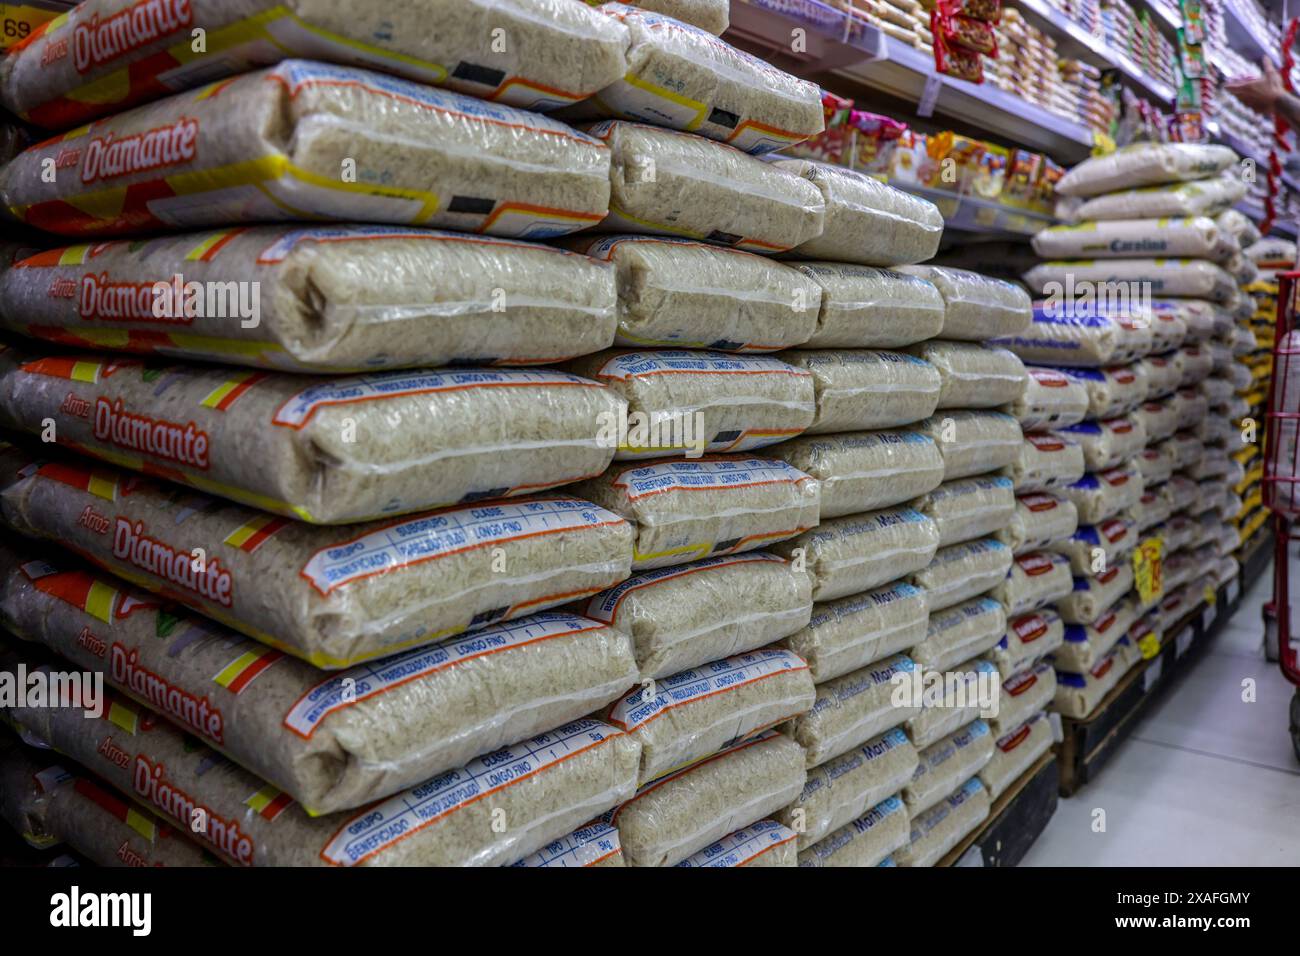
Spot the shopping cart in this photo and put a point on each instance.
(1281, 493)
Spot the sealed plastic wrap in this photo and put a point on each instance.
(976, 307)
(1094, 593)
(47, 804)
(969, 508)
(972, 375)
(863, 471)
(1093, 548)
(1205, 197)
(676, 184)
(860, 389)
(595, 844)
(1036, 579)
(1191, 278)
(868, 221)
(1111, 391)
(1200, 318)
(1168, 330)
(406, 718)
(128, 52)
(945, 764)
(1216, 391)
(1245, 232)
(1023, 695)
(1198, 237)
(853, 632)
(555, 782)
(1015, 753)
(866, 841)
(678, 293)
(1078, 694)
(1078, 337)
(685, 616)
(959, 703)
(683, 77)
(1105, 494)
(866, 307)
(1178, 532)
(963, 571)
(711, 15)
(332, 596)
(959, 633)
(686, 510)
(676, 816)
(855, 553)
(683, 401)
(765, 843)
(1153, 508)
(1196, 362)
(1145, 164)
(852, 709)
(1050, 400)
(942, 827)
(1109, 443)
(1185, 449)
(1046, 460)
(328, 298)
(686, 716)
(269, 145)
(1191, 408)
(973, 442)
(843, 789)
(1029, 638)
(1158, 419)
(1038, 521)
(326, 451)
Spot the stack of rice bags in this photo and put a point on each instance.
(1145, 365)
(360, 680)
(967, 500)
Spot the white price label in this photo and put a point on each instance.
(929, 95)
(1152, 673)
(1207, 616)
(1183, 641)
(1058, 732)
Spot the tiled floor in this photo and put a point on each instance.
(1204, 778)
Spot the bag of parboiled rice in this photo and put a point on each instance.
(327, 298)
(968, 508)
(1039, 520)
(326, 451)
(863, 307)
(686, 616)
(678, 293)
(686, 510)
(1046, 460)
(675, 184)
(855, 631)
(1029, 638)
(852, 709)
(972, 375)
(684, 78)
(333, 596)
(959, 633)
(1191, 238)
(863, 471)
(1115, 390)
(963, 571)
(279, 144)
(330, 741)
(1078, 336)
(1145, 164)
(977, 307)
(1035, 580)
(865, 841)
(1050, 399)
(1109, 443)
(1203, 197)
(683, 401)
(710, 15)
(855, 553)
(106, 55)
(973, 442)
(859, 389)
(867, 221)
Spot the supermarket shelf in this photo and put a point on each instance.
(1090, 742)
(875, 60)
(987, 217)
(1017, 818)
(1254, 211)
(1167, 15)
(1088, 46)
(1242, 39)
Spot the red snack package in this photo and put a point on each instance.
(955, 60)
(970, 33)
(989, 11)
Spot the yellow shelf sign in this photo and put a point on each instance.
(1148, 569)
